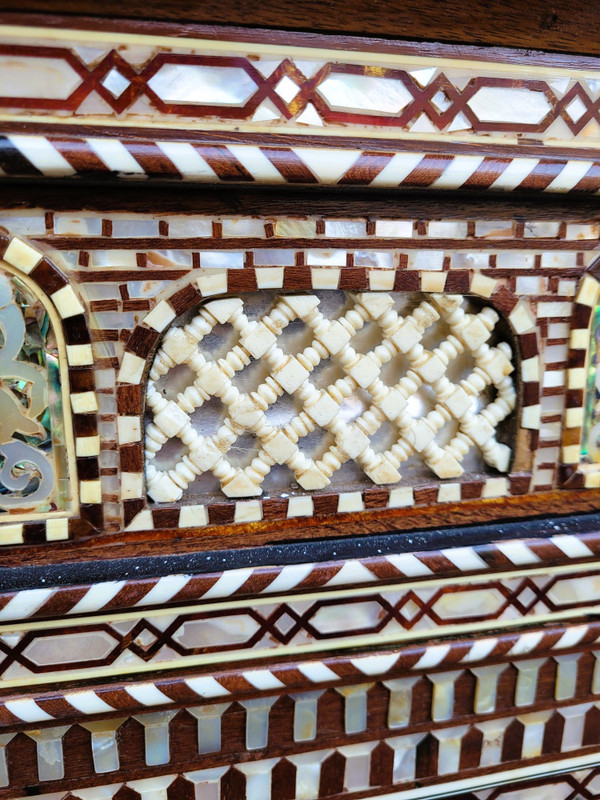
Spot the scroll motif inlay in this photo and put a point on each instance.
(33, 470)
(590, 450)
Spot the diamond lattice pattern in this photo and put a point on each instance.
(472, 405)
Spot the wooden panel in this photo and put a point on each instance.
(565, 26)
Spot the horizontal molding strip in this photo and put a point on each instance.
(401, 567)
(313, 109)
(180, 689)
(417, 757)
(505, 778)
(182, 637)
(149, 790)
(44, 155)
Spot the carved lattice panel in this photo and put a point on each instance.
(307, 391)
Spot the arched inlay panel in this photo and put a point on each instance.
(34, 471)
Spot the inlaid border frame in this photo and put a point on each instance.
(142, 344)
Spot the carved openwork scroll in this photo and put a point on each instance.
(33, 472)
(335, 388)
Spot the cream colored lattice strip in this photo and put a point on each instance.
(319, 407)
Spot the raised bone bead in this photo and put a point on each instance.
(478, 429)
(224, 309)
(290, 374)
(213, 380)
(351, 441)
(171, 419)
(448, 304)
(475, 333)
(496, 365)
(258, 340)
(312, 478)
(419, 435)
(302, 305)
(247, 411)
(382, 471)
(279, 447)
(334, 337)
(206, 455)
(431, 369)
(497, 455)
(321, 407)
(364, 370)
(155, 439)
(179, 345)
(442, 462)
(161, 487)
(407, 336)
(458, 402)
(375, 303)
(241, 486)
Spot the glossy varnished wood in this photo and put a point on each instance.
(568, 26)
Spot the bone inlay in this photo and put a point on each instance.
(464, 406)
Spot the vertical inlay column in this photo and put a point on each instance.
(405, 756)
(527, 680)
(596, 675)
(50, 761)
(533, 734)
(486, 688)
(4, 740)
(207, 782)
(152, 788)
(443, 694)
(566, 678)
(104, 743)
(355, 707)
(574, 718)
(209, 726)
(156, 735)
(257, 721)
(305, 715)
(493, 739)
(308, 773)
(358, 765)
(400, 702)
(258, 778)
(449, 751)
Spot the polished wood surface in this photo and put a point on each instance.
(569, 26)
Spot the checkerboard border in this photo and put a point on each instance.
(143, 342)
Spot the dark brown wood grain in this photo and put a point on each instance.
(569, 26)
(222, 534)
(333, 203)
